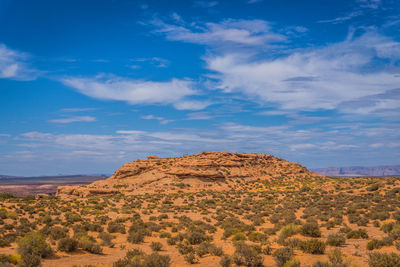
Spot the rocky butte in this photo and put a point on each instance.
(207, 170)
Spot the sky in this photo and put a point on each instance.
(88, 85)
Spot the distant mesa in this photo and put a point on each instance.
(207, 170)
(360, 171)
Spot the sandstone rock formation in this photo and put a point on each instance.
(199, 172)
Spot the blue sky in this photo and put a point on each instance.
(89, 85)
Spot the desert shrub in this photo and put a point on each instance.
(208, 248)
(239, 237)
(282, 255)
(336, 258)
(106, 238)
(357, 234)
(136, 237)
(313, 246)
(67, 244)
(215, 250)
(397, 245)
(89, 245)
(288, 230)
(226, 261)
(185, 248)
(387, 227)
(293, 262)
(311, 229)
(138, 258)
(377, 259)
(374, 244)
(4, 243)
(292, 242)
(57, 232)
(336, 240)
(196, 238)
(156, 246)
(165, 235)
(322, 264)
(373, 187)
(258, 237)
(32, 248)
(247, 255)
(190, 258)
(7, 260)
(156, 260)
(171, 241)
(115, 227)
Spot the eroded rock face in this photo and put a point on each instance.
(155, 174)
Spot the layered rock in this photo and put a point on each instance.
(219, 168)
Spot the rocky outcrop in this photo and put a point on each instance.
(158, 174)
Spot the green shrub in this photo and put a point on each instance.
(357, 234)
(336, 240)
(67, 244)
(374, 244)
(313, 246)
(282, 255)
(226, 261)
(311, 229)
(196, 238)
(293, 262)
(190, 258)
(106, 238)
(136, 237)
(32, 248)
(288, 230)
(89, 245)
(115, 227)
(377, 259)
(336, 258)
(247, 255)
(156, 260)
(156, 246)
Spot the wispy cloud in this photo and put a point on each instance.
(320, 78)
(155, 61)
(160, 119)
(205, 4)
(13, 65)
(229, 31)
(374, 4)
(342, 19)
(174, 92)
(77, 109)
(74, 119)
(253, 1)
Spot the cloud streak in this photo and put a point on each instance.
(74, 119)
(13, 65)
(173, 92)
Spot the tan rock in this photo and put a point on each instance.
(159, 174)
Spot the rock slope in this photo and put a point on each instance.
(207, 170)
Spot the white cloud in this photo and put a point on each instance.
(155, 61)
(199, 116)
(342, 19)
(74, 119)
(13, 65)
(192, 105)
(134, 92)
(312, 79)
(160, 119)
(205, 4)
(374, 4)
(229, 31)
(77, 109)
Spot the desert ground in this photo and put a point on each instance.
(210, 209)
